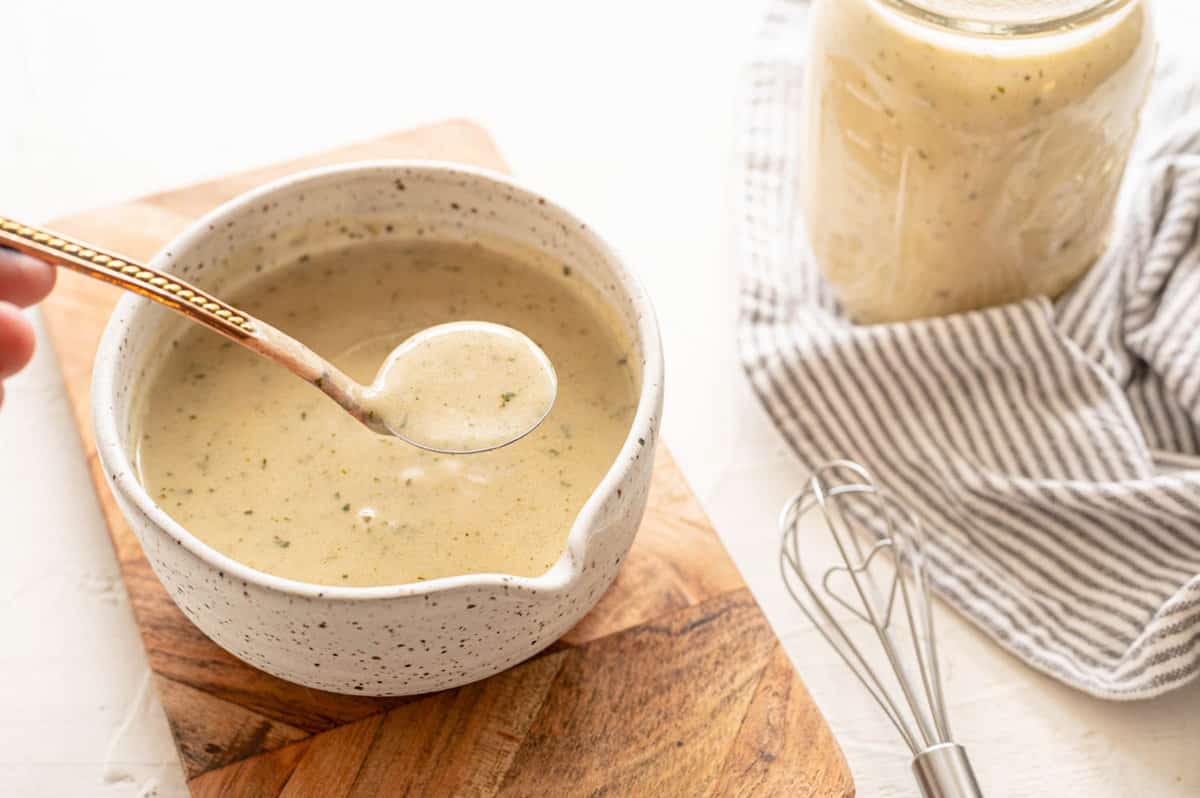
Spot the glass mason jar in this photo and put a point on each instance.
(967, 153)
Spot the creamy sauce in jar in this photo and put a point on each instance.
(948, 170)
(265, 469)
(463, 387)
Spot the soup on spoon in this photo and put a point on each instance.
(463, 387)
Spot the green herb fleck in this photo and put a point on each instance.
(247, 512)
(281, 543)
(506, 397)
(346, 508)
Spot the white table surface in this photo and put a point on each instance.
(623, 109)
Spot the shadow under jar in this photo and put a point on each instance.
(967, 153)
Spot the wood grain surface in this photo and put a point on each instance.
(673, 685)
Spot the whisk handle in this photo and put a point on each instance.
(944, 771)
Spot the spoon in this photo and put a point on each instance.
(457, 388)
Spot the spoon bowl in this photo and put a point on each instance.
(462, 388)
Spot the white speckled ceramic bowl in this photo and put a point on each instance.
(400, 639)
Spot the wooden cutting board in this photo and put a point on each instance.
(673, 685)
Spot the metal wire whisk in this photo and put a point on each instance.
(878, 574)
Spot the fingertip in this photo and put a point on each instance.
(24, 280)
(16, 340)
(41, 276)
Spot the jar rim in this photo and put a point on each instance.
(1054, 23)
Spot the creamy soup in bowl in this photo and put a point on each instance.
(344, 560)
(263, 468)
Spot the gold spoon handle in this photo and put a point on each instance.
(195, 303)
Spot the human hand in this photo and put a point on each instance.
(23, 282)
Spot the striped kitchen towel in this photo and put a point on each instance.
(1052, 449)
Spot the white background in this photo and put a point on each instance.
(625, 111)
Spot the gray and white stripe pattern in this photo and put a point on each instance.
(1052, 449)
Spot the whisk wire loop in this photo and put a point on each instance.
(844, 492)
(828, 627)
